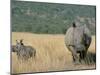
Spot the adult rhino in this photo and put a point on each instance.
(23, 52)
(77, 40)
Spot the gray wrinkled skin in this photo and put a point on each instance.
(23, 52)
(77, 40)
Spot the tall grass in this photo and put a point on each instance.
(51, 54)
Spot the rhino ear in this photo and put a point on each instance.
(21, 40)
(16, 41)
(74, 25)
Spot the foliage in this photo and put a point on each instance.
(37, 17)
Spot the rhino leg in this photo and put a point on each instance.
(82, 57)
(74, 54)
(82, 54)
(34, 53)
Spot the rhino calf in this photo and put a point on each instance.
(23, 52)
(77, 40)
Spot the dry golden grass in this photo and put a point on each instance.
(51, 54)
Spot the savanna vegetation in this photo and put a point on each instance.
(50, 18)
(51, 54)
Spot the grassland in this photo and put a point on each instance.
(51, 54)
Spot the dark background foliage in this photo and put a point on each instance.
(37, 17)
